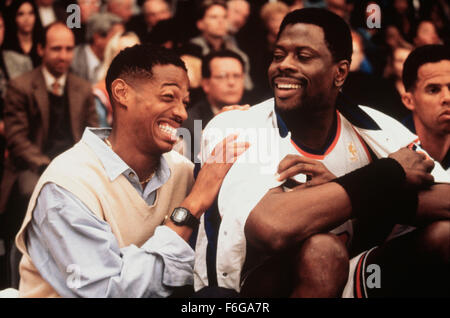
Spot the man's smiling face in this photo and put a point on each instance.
(302, 70)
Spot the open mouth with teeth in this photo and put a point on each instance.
(168, 131)
(288, 86)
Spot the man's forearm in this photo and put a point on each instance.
(433, 204)
(282, 219)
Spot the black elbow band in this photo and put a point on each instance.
(379, 188)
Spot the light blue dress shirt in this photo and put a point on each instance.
(77, 253)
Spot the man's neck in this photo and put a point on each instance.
(436, 146)
(142, 163)
(215, 108)
(215, 42)
(311, 128)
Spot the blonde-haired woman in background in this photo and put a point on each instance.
(116, 44)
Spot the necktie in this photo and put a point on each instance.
(56, 88)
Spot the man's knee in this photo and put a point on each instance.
(324, 247)
(436, 240)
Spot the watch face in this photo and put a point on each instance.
(179, 215)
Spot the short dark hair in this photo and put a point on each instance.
(206, 61)
(138, 62)
(422, 55)
(336, 31)
(206, 4)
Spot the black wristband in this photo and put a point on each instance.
(378, 188)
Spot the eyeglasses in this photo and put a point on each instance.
(223, 77)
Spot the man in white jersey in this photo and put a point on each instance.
(271, 234)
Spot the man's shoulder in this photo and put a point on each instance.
(79, 81)
(25, 81)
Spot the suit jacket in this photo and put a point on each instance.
(200, 111)
(27, 116)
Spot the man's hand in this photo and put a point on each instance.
(234, 107)
(417, 167)
(210, 177)
(291, 165)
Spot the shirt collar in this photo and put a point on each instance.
(50, 79)
(92, 59)
(113, 164)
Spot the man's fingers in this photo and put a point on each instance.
(305, 168)
(291, 160)
(429, 165)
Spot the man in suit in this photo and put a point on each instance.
(46, 111)
(223, 85)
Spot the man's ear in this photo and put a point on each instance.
(205, 85)
(343, 67)
(120, 92)
(408, 100)
(200, 25)
(40, 50)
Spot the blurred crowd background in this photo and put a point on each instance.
(382, 41)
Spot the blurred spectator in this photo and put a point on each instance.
(296, 4)
(212, 24)
(23, 30)
(87, 9)
(50, 11)
(116, 44)
(223, 85)
(392, 37)
(272, 13)
(339, 7)
(359, 60)
(46, 111)
(88, 57)
(401, 14)
(394, 68)
(238, 12)
(153, 11)
(364, 88)
(121, 8)
(425, 34)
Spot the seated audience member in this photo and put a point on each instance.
(426, 34)
(223, 85)
(153, 11)
(317, 168)
(87, 9)
(238, 13)
(212, 24)
(102, 103)
(372, 90)
(271, 14)
(393, 76)
(12, 64)
(426, 76)
(87, 60)
(23, 30)
(46, 111)
(50, 11)
(120, 205)
(121, 8)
